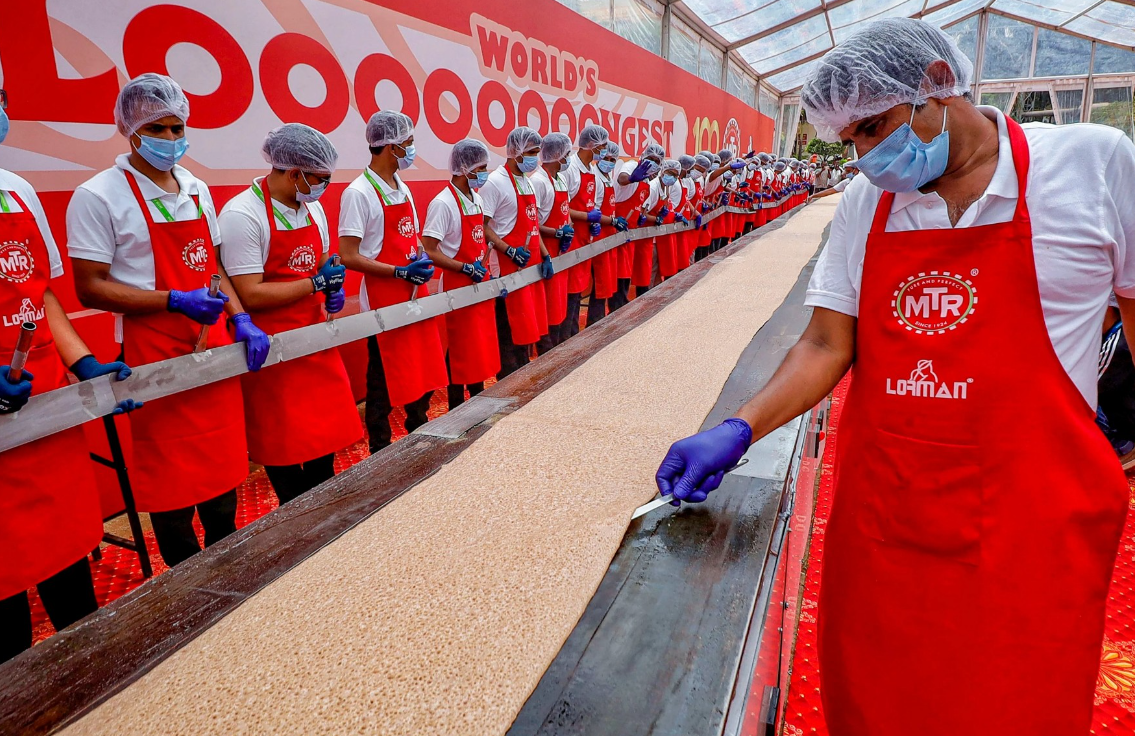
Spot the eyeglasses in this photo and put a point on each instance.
(322, 179)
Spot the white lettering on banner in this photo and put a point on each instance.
(28, 313)
(934, 303)
(924, 383)
(16, 262)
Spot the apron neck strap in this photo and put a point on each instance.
(377, 189)
(264, 195)
(460, 199)
(133, 182)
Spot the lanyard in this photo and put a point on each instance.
(283, 221)
(560, 185)
(461, 203)
(165, 213)
(377, 188)
(4, 202)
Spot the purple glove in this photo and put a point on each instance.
(694, 467)
(594, 216)
(642, 219)
(697, 222)
(256, 343)
(682, 219)
(664, 211)
(737, 164)
(197, 305)
(595, 228)
(642, 170)
(335, 301)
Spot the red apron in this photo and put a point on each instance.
(704, 236)
(527, 310)
(473, 351)
(556, 289)
(412, 358)
(579, 275)
(762, 194)
(686, 240)
(188, 447)
(49, 509)
(630, 209)
(719, 224)
(605, 265)
(301, 409)
(667, 245)
(962, 592)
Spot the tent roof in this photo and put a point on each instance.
(782, 39)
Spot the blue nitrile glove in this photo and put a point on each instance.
(663, 211)
(743, 185)
(13, 396)
(682, 219)
(565, 234)
(256, 343)
(475, 271)
(704, 207)
(620, 224)
(335, 301)
(547, 270)
(594, 216)
(330, 277)
(88, 367)
(126, 406)
(694, 467)
(595, 228)
(697, 222)
(519, 256)
(417, 272)
(642, 170)
(641, 219)
(197, 305)
(737, 164)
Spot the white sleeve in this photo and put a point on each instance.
(1120, 178)
(319, 217)
(545, 196)
(571, 177)
(831, 286)
(242, 244)
(439, 218)
(490, 197)
(31, 199)
(354, 213)
(90, 230)
(841, 185)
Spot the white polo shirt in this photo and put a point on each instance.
(623, 192)
(1083, 232)
(361, 215)
(546, 190)
(690, 187)
(444, 218)
(106, 225)
(500, 199)
(572, 175)
(10, 183)
(672, 194)
(245, 233)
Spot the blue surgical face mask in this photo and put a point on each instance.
(3, 124)
(528, 164)
(606, 166)
(408, 160)
(668, 180)
(477, 179)
(315, 191)
(162, 153)
(903, 162)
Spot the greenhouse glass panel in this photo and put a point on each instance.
(788, 46)
(1069, 105)
(965, 35)
(749, 92)
(952, 13)
(1052, 12)
(1000, 100)
(789, 122)
(639, 21)
(767, 103)
(1008, 49)
(714, 12)
(850, 18)
(793, 78)
(734, 81)
(709, 63)
(760, 16)
(1110, 22)
(1061, 55)
(684, 45)
(1110, 60)
(1112, 106)
(597, 11)
(1033, 106)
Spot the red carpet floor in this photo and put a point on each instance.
(1115, 689)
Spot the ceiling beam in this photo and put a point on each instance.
(800, 18)
(794, 64)
(1049, 26)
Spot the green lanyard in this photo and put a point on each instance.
(377, 188)
(165, 213)
(4, 202)
(558, 182)
(518, 180)
(461, 203)
(283, 221)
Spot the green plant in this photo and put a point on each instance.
(824, 149)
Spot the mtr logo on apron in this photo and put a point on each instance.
(406, 227)
(196, 254)
(478, 234)
(934, 303)
(302, 260)
(16, 262)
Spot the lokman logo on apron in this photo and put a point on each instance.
(934, 303)
(924, 383)
(27, 313)
(196, 254)
(406, 227)
(302, 259)
(478, 233)
(16, 262)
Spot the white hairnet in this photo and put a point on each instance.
(554, 147)
(653, 150)
(851, 165)
(725, 155)
(687, 162)
(146, 98)
(467, 155)
(671, 164)
(520, 140)
(703, 161)
(592, 136)
(779, 166)
(764, 157)
(612, 149)
(879, 67)
(388, 126)
(299, 146)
